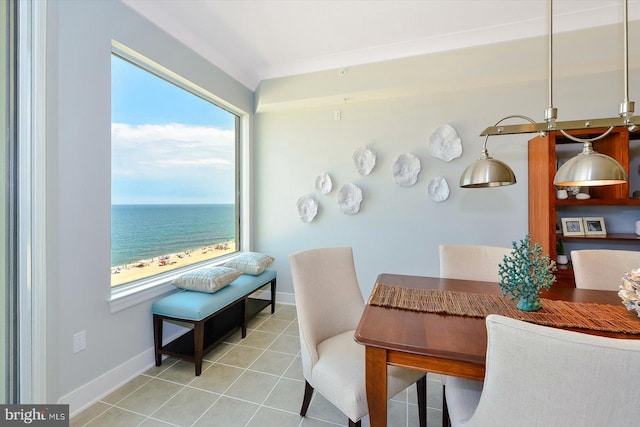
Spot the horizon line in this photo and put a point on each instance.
(167, 204)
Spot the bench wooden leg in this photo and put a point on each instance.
(273, 296)
(198, 345)
(157, 338)
(244, 315)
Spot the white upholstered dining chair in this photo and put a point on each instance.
(471, 262)
(542, 376)
(467, 262)
(329, 304)
(602, 268)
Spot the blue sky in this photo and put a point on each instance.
(168, 146)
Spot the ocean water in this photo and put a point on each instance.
(147, 231)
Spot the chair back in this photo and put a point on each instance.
(471, 262)
(328, 297)
(542, 376)
(602, 268)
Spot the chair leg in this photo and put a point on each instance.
(308, 392)
(446, 421)
(421, 386)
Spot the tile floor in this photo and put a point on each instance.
(253, 382)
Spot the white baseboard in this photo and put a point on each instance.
(281, 297)
(285, 298)
(90, 393)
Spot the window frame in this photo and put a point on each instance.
(138, 291)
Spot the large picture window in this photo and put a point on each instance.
(174, 174)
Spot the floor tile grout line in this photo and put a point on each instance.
(262, 405)
(115, 405)
(232, 383)
(293, 379)
(167, 401)
(277, 382)
(232, 345)
(246, 369)
(184, 386)
(206, 410)
(224, 393)
(267, 348)
(321, 420)
(299, 353)
(285, 324)
(159, 420)
(314, 396)
(100, 414)
(121, 409)
(151, 378)
(133, 412)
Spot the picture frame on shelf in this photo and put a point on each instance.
(594, 226)
(572, 227)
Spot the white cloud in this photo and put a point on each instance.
(191, 162)
(168, 132)
(161, 150)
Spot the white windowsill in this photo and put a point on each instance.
(134, 293)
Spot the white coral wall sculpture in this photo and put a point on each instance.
(349, 199)
(438, 189)
(445, 144)
(307, 208)
(364, 160)
(406, 169)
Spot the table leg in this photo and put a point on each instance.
(376, 378)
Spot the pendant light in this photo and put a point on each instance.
(588, 168)
(487, 171)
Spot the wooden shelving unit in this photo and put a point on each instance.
(542, 193)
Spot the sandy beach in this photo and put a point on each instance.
(150, 267)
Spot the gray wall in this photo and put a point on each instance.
(78, 180)
(393, 108)
(398, 229)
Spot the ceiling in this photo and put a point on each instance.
(254, 40)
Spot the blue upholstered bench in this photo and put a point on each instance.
(214, 316)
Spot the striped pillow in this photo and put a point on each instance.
(253, 263)
(208, 279)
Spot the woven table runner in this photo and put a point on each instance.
(562, 314)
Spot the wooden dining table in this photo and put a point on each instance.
(439, 343)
